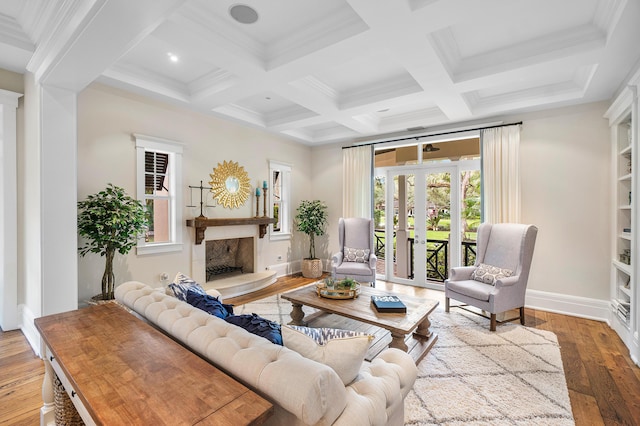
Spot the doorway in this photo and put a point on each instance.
(426, 216)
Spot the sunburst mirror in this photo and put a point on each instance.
(230, 184)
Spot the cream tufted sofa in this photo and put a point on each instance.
(303, 392)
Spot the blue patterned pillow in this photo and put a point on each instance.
(259, 326)
(323, 335)
(181, 285)
(208, 304)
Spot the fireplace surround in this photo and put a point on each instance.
(232, 249)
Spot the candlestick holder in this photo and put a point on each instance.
(264, 211)
(257, 205)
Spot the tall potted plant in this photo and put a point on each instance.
(311, 218)
(110, 221)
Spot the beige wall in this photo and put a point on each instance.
(565, 165)
(106, 154)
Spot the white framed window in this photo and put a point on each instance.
(159, 188)
(280, 200)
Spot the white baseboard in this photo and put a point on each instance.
(295, 267)
(29, 329)
(583, 307)
(281, 269)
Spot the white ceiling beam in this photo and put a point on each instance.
(85, 42)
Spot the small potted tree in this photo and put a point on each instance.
(311, 218)
(110, 221)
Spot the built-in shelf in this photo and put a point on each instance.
(625, 239)
(202, 223)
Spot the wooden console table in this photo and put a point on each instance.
(119, 370)
(202, 223)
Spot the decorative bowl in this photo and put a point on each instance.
(336, 292)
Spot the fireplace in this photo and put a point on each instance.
(228, 257)
(230, 254)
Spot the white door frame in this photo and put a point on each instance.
(420, 244)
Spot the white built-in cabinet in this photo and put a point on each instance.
(623, 120)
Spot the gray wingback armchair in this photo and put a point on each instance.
(356, 258)
(498, 280)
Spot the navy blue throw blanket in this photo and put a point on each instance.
(209, 304)
(257, 325)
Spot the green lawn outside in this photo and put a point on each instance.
(432, 235)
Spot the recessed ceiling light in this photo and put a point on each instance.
(173, 57)
(243, 13)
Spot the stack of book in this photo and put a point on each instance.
(622, 308)
(388, 304)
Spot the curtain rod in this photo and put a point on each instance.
(434, 134)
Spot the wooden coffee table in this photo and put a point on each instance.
(411, 327)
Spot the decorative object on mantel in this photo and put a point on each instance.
(265, 188)
(110, 221)
(257, 202)
(311, 218)
(202, 204)
(201, 224)
(230, 184)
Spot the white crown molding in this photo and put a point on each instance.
(12, 33)
(322, 33)
(388, 89)
(370, 120)
(146, 80)
(302, 135)
(312, 84)
(215, 30)
(59, 27)
(286, 115)
(446, 49)
(620, 106)
(241, 113)
(408, 119)
(212, 83)
(548, 48)
(558, 91)
(332, 133)
(526, 98)
(608, 13)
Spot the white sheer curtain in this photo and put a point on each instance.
(501, 174)
(356, 178)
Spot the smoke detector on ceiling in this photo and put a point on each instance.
(243, 13)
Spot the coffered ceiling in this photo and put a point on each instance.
(322, 71)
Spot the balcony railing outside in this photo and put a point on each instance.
(437, 255)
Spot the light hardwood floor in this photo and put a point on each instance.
(603, 381)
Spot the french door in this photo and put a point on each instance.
(423, 222)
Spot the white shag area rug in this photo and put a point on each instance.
(513, 376)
